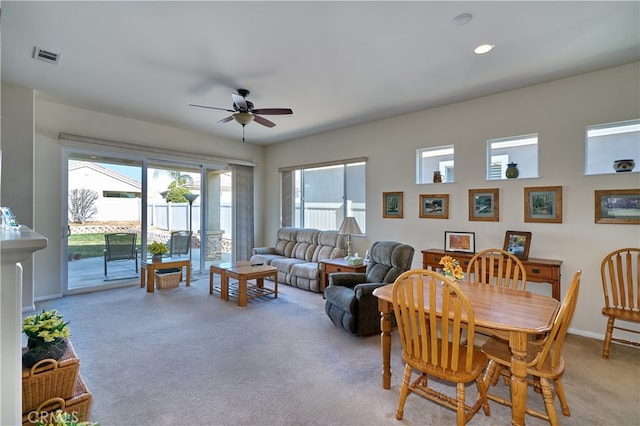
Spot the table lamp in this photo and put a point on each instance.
(349, 227)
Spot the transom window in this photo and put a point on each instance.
(436, 159)
(606, 143)
(522, 150)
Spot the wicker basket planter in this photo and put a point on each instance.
(49, 378)
(78, 404)
(167, 278)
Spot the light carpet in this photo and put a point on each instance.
(184, 357)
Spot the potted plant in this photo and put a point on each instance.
(47, 335)
(157, 250)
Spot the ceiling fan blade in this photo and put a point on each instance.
(225, 120)
(263, 121)
(210, 107)
(272, 111)
(239, 101)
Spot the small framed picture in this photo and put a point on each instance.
(543, 204)
(484, 205)
(460, 241)
(434, 206)
(518, 243)
(618, 206)
(392, 205)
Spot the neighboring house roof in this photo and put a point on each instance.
(77, 165)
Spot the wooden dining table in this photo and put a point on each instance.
(520, 313)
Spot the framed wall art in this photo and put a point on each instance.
(434, 206)
(460, 241)
(517, 243)
(617, 206)
(543, 204)
(392, 205)
(484, 205)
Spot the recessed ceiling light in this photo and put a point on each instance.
(463, 19)
(483, 48)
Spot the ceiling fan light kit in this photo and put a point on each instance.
(244, 113)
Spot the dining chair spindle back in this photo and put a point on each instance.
(437, 343)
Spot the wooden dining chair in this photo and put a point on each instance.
(544, 360)
(451, 357)
(497, 267)
(621, 286)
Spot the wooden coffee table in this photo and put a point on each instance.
(220, 268)
(242, 290)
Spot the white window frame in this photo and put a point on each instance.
(601, 161)
(528, 165)
(445, 164)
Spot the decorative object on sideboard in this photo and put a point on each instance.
(349, 227)
(437, 177)
(512, 171)
(624, 165)
(460, 241)
(517, 243)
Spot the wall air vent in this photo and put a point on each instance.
(45, 55)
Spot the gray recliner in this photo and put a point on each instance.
(350, 301)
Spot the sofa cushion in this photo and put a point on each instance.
(330, 245)
(306, 270)
(284, 264)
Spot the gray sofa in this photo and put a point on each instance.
(297, 252)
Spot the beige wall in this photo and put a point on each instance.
(51, 119)
(558, 111)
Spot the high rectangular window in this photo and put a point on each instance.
(431, 160)
(521, 150)
(606, 143)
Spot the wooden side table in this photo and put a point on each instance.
(538, 270)
(220, 268)
(147, 268)
(339, 264)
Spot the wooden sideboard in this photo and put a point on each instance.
(538, 270)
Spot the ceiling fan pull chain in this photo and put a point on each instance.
(243, 133)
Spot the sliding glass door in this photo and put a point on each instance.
(104, 196)
(142, 201)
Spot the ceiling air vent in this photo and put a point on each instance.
(45, 55)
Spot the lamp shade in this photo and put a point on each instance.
(350, 226)
(191, 197)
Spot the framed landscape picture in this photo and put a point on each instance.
(617, 206)
(484, 204)
(434, 206)
(518, 243)
(543, 204)
(392, 205)
(460, 241)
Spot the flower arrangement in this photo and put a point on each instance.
(157, 248)
(451, 267)
(45, 329)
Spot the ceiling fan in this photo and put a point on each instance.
(244, 113)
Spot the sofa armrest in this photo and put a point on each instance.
(263, 250)
(347, 279)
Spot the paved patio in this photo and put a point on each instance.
(89, 272)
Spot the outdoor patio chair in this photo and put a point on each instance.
(180, 243)
(120, 247)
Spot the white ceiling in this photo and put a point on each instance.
(335, 64)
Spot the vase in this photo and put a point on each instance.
(512, 171)
(156, 258)
(37, 351)
(437, 177)
(624, 165)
